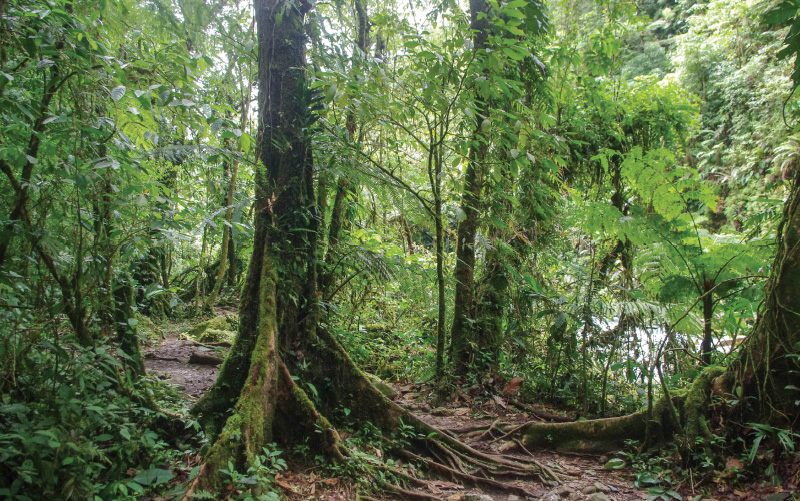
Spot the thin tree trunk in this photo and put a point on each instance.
(464, 310)
(441, 312)
(200, 282)
(346, 185)
(708, 317)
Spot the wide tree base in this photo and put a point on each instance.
(428, 453)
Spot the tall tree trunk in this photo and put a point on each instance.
(492, 291)
(277, 310)
(770, 358)
(346, 186)
(464, 310)
(226, 230)
(441, 318)
(708, 317)
(232, 268)
(271, 316)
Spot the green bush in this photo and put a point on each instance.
(70, 430)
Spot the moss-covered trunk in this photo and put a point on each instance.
(463, 309)
(492, 291)
(276, 309)
(769, 361)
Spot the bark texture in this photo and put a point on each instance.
(276, 308)
(770, 359)
(464, 314)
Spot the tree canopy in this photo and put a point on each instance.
(584, 205)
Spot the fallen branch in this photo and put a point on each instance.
(553, 418)
(203, 359)
(153, 356)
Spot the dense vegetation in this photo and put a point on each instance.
(593, 195)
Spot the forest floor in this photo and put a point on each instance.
(471, 419)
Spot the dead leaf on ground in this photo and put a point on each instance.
(331, 481)
(512, 386)
(499, 401)
(284, 484)
(461, 411)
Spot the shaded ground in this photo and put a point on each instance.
(169, 361)
(471, 419)
(583, 477)
(472, 422)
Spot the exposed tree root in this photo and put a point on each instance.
(467, 478)
(409, 494)
(296, 417)
(683, 415)
(599, 435)
(485, 434)
(553, 418)
(512, 431)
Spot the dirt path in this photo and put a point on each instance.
(169, 361)
(582, 476)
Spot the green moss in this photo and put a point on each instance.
(216, 336)
(696, 430)
(599, 435)
(212, 331)
(250, 427)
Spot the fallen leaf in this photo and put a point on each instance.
(461, 411)
(283, 483)
(734, 464)
(331, 481)
(512, 386)
(499, 401)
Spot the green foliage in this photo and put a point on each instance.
(634, 159)
(67, 431)
(258, 482)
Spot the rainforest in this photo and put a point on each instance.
(483, 250)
